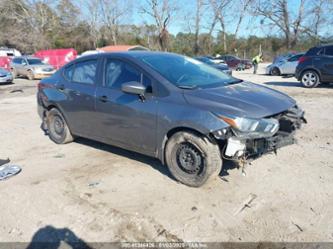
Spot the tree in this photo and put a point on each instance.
(93, 18)
(219, 7)
(278, 13)
(112, 12)
(161, 11)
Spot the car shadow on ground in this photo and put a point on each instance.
(283, 83)
(228, 165)
(49, 237)
(6, 83)
(153, 162)
(295, 84)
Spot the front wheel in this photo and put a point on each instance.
(192, 159)
(275, 71)
(310, 79)
(57, 127)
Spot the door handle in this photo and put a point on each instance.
(103, 98)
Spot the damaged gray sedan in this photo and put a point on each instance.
(177, 109)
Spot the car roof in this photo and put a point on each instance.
(324, 45)
(126, 54)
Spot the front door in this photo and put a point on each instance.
(124, 119)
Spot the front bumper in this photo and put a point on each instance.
(241, 148)
(6, 79)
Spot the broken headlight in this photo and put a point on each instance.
(252, 128)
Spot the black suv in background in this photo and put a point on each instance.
(316, 66)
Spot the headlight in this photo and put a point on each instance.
(247, 127)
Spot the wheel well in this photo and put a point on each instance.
(311, 69)
(171, 132)
(177, 129)
(52, 106)
(276, 69)
(49, 107)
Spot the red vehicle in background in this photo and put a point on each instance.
(57, 57)
(5, 62)
(235, 62)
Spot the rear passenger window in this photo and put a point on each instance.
(118, 72)
(85, 72)
(329, 51)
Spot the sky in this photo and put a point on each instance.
(250, 25)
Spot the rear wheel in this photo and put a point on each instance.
(310, 79)
(192, 159)
(57, 127)
(275, 71)
(31, 75)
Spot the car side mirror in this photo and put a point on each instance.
(133, 87)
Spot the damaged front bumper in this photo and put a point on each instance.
(241, 148)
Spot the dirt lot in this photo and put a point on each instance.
(102, 193)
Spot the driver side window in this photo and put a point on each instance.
(118, 72)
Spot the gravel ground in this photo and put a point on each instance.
(100, 193)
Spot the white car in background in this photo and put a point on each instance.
(284, 66)
(5, 76)
(10, 52)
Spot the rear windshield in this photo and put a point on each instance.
(186, 72)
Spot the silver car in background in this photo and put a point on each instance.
(284, 66)
(31, 67)
(5, 76)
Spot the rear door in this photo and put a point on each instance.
(328, 63)
(125, 119)
(79, 89)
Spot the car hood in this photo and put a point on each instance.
(240, 100)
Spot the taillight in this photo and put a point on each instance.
(302, 59)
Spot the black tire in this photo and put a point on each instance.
(57, 127)
(192, 159)
(31, 75)
(310, 79)
(275, 71)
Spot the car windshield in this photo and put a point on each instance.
(185, 72)
(35, 61)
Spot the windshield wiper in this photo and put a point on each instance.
(187, 86)
(235, 82)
